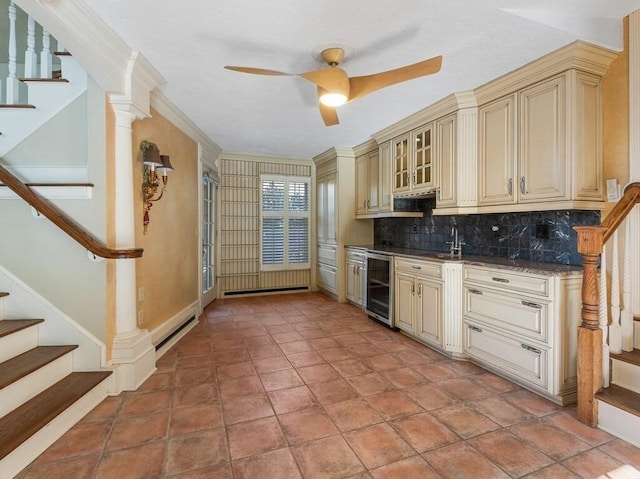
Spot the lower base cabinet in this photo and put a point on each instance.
(356, 263)
(328, 278)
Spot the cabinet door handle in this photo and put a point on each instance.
(500, 280)
(531, 348)
(438, 194)
(477, 329)
(415, 266)
(522, 185)
(510, 186)
(413, 289)
(531, 305)
(368, 203)
(419, 290)
(475, 291)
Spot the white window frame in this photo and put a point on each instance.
(286, 215)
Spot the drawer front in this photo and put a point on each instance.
(512, 356)
(522, 316)
(327, 255)
(509, 280)
(422, 268)
(355, 255)
(328, 277)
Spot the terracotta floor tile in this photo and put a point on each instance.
(530, 402)
(286, 337)
(307, 358)
(333, 391)
(240, 387)
(368, 384)
(141, 404)
(412, 357)
(464, 389)
(202, 360)
(336, 354)
(553, 472)
(623, 451)
(424, 432)
(293, 399)
(265, 351)
(494, 383)
(429, 396)
(393, 404)
(80, 467)
(436, 371)
(221, 471)
(198, 394)
(191, 376)
(255, 437)
(464, 421)
(156, 382)
(554, 442)
(246, 409)
(283, 327)
(352, 367)
(236, 370)
(310, 333)
(295, 347)
(105, 411)
(464, 368)
(352, 414)
(227, 344)
(323, 343)
(137, 430)
(139, 462)
(566, 420)
(351, 339)
(318, 373)
(404, 377)
(284, 379)
(500, 411)
(196, 451)
(306, 425)
(365, 350)
(80, 440)
(277, 464)
(195, 418)
(378, 445)
(461, 461)
(510, 453)
(267, 365)
(253, 342)
(329, 458)
(228, 356)
(593, 463)
(411, 468)
(383, 362)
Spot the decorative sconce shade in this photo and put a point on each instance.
(152, 160)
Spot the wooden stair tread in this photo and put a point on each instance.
(632, 357)
(3, 294)
(19, 105)
(9, 326)
(46, 80)
(23, 422)
(19, 366)
(621, 398)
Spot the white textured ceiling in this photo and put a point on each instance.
(190, 42)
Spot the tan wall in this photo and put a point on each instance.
(168, 270)
(615, 93)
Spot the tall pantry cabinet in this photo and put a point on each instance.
(336, 225)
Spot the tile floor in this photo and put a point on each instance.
(292, 386)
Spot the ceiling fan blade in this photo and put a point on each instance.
(258, 71)
(363, 85)
(329, 113)
(333, 79)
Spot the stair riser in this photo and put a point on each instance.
(28, 387)
(22, 456)
(619, 423)
(18, 343)
(625, 375)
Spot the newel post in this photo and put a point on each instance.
(590, 245)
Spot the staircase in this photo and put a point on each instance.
(41, 397)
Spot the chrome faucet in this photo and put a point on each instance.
(456, 244)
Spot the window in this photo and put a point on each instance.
(285, 206)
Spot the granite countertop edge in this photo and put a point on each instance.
(477, 260)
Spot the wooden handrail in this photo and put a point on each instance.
(591, 241)
(62, 221)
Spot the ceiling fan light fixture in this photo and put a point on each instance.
(333, 99)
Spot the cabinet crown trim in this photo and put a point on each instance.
(332, 154)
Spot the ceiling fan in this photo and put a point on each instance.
(335, 87)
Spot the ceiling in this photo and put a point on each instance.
(190, 42)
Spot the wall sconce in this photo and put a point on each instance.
(152, 160)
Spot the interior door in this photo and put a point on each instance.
(209, 189)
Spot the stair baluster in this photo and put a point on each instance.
(13, 84)
(626, 318)
(46, 60)
(615, 331)
(30, 56)
(603, 310)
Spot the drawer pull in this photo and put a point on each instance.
(531, 348)
(531, 305)
(414, 266)
(500, 280)
(475, 291)
(477, 329)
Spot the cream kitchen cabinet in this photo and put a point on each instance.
(412, 160)
(356, 265)
(336, 225)
(523, 326)
(542, 145)
(368, 183)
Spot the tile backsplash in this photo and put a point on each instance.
(545, 236)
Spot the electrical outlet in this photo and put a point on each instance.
(140, 318)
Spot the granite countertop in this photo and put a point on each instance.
(490, 261)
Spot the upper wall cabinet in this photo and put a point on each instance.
(412, 162)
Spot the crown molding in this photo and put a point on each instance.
(264, 158)
(334, 153)
(366, 147)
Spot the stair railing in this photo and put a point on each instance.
(62, 221)
(596, 337)
(14, 89)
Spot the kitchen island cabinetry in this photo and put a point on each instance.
(523, 325)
